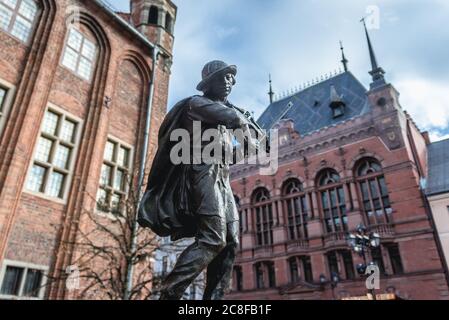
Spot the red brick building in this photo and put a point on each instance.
(347, 156)
(77, 83)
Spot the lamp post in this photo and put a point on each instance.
(361, 242)
(335, 279)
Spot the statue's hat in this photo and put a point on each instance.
(211, 69)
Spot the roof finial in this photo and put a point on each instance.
(377, 73)
(270, 93)
(343, 58)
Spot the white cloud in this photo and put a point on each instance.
(426, 100)
(297, 41)
(225, 32)
(437, 136)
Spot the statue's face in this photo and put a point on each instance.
(220, 86)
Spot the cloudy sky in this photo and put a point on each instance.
(298, 40)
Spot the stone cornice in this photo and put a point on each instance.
(328, 138)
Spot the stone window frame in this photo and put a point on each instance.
(397, 266)
(265, 269)
(26, 266)
(262, 207)
(296, 208)
(340, 264)
(115, 167)
(329, 184)
(373, 175)
(300, 268)
(15, 13)
(6, 103)
(94, 61)
(49, 166)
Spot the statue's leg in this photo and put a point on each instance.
(219, 271)
(210, 241)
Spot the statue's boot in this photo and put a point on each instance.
(219, 271)
(189, 265)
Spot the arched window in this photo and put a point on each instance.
(297, 209)
(300, 269)
(332, 201)
(261, 195)
(328, 176)
(265, 274)
(264, 216)
(374, 192)
(80, 52)
(341, 263)
(17, 17)
(153, 17)
(168, 22)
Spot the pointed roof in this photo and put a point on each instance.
(309, 108)
(377, 73)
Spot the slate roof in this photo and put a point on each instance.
(310, 108)
(438, 164)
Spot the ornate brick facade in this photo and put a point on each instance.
(111, 101)
(366, 168)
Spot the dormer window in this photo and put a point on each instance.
(337, 105)
(338, 111)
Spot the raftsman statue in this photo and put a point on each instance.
(195, 199)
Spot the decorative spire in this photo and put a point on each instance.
(377, 73)
(343, 58)
(270, 93)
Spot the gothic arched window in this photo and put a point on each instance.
(297, 210)
(332, 201)
(264, 216)
(374, 192)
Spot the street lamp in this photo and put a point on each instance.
(361, 242)
(335, 279)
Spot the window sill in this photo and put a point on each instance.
(45, 197)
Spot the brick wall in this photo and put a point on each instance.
(113, 103)
(382, 134)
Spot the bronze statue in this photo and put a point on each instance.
(195, 199)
